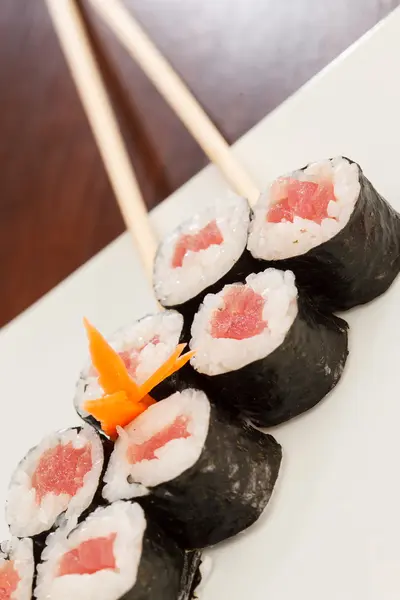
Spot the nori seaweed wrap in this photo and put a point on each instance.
(143, 346)
(58, 480)
(202, 252)
(339, 237)
(266, 352)
(203, 475)
(117, 553)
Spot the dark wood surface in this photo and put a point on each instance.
(240, 57)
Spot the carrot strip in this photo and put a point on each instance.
(147, 401)
(116, 409)
(123, 400)
(100, 408)
(113, 376)
(181, 361)
(162, 372)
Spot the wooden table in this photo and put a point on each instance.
(241, 58)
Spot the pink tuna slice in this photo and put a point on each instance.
(89, 557)
(210, 235)
(61, 470)
(306, 199)
(9, 580)
(241, 315)
(146, 451)
(131, 358)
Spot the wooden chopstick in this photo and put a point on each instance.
(176, 93)
(72, 34)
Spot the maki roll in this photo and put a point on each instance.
(328, 224)
(115, 554)
(58, 478)
(202, 475)
(112, 391)
(208, 248)
(143, 347)
(265, 351)
(17, 568)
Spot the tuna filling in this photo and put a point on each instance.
(305, 199)
(146, 451)
(61, 470)
(89, 557)
(210, 235)
(240, 317)
(9, 580)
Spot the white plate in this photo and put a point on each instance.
(332, 530)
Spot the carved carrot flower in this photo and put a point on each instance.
(123, 399)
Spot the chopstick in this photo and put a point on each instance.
(177, 95)
(71, 31)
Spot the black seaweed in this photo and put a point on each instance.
(245, 265)
(356, 265)
(39, 542)
(166, 572)
(90, 420)
(294, 377)
(225, 491)
(181, 380)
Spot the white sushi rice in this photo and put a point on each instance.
(124, 480)
(221, 355)
(274, 241)
(124, 519)
(20, 552)
(166, 326)
(27, 517)
(174, 286)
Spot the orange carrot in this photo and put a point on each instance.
(181, 362)
(162, 372)
(113, 376)
(147, 401)
(123, 400)
(116, 409)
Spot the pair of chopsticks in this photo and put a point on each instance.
(72, 34)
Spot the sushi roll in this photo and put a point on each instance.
(17, 569)
(56, 481)
(202, 475)
(146, 357)
(115, 554)
(206, 249)
(143, 346)
(328, 224)
(265, 351)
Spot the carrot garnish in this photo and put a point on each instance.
(123, 399)
(162, 372)
(181, 362)
(113, 376)
(116, 410)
